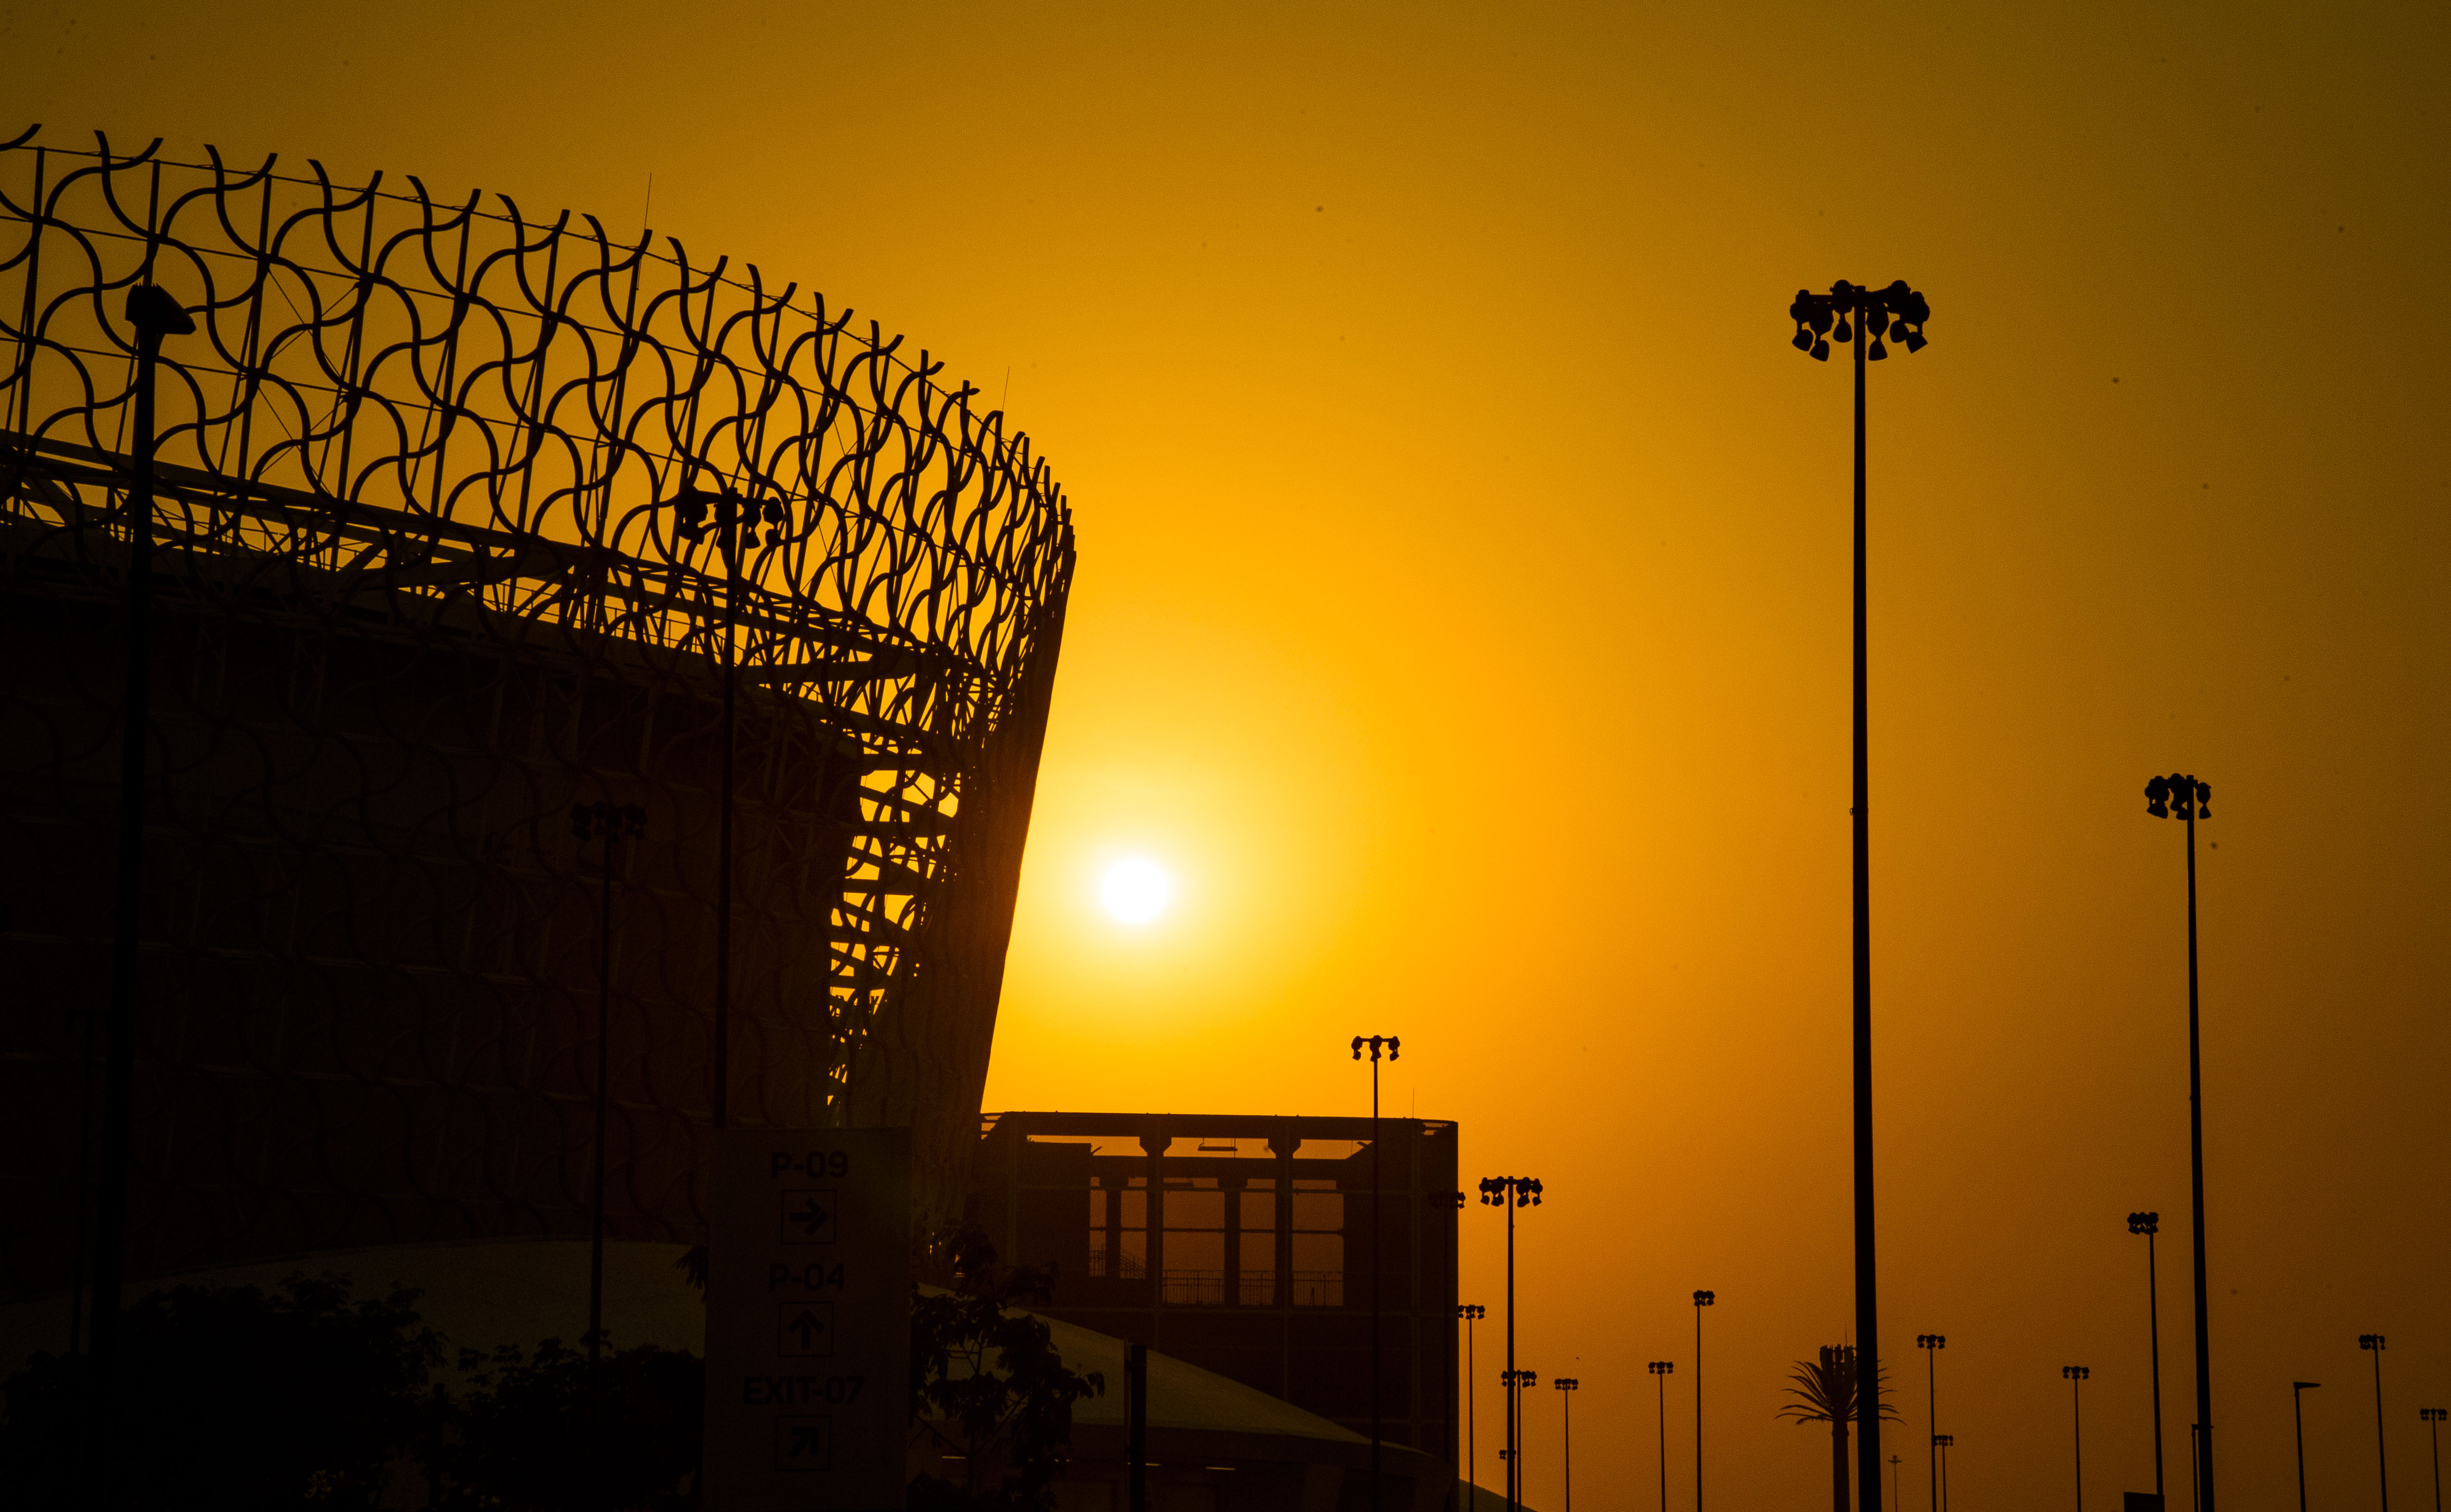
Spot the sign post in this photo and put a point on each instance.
(808, 1321)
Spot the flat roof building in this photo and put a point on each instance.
(1244, 1244)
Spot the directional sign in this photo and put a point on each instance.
(808, 1321)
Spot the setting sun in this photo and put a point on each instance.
(1135, 890)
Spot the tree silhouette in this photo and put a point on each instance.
(1827, 1393)
(987, 1380)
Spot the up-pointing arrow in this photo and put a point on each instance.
(808, 1326)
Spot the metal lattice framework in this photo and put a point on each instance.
(460, 461)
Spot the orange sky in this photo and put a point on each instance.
(1462, 616)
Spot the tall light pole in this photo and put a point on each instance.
(153, 314)
(2190, 799)
(2149, 1225)
(1878, 311)
(611, 823)
(1518, 1382)
(2372, 1344)
(1471, 1313)
(1511, 1192)
(1569, 1386)
(2432, 1417)
(1701, 1300)
(2298, 1390)
(732, 515)
(1662, 1370)
(1942, 1441)
(1931, 1344)
(1377, 1170)
(1895, 1462)
(2074, 1376)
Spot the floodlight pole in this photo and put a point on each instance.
(2298, 1390)
(1378, 1436)
(1470, 1312)
(1701, 1300)
(610, 824)
(2433, 1418)
(153, 314)
(1931, 1343)
(2075, 1376)
(1511, 1192)
(2372, 1344)
(1662, 1369)
(2187, 795)
(1863, 316)
(2149, 1225)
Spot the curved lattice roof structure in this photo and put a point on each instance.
(445, 498)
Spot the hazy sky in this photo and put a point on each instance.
(1462, 618)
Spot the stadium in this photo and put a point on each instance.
(463, 519)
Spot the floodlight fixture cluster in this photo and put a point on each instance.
(1895, 310)
(1497, 1190)
(2182, 795)
(697, 510)
(1375, 1042)
(2144, 1223)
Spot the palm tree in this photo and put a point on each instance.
(1828, 1393)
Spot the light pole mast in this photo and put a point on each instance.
(2298, 1390)
(1569, 1386)
(1701, 1300)
(1511, 1192)
(1378, 1170)
(2189, 797)
(1662, 1370)
(2075, 1376)
(1931, 1344)
(2149, 1225)
(153, 314)
(1877, 311)
(2372, 1344)
(1471, 1313)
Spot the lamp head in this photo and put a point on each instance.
(1705, 1299)
(2304, 1385)
(2144, 1223)
(155, 314)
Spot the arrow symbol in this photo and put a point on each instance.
(808, 1326)
(810, 1217)
(805, 1441)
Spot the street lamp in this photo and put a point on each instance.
(1569, 1384)
(2298, 1390)
(1511, 1192)
(2075, 1376)
(2187, 798)
(1931, 1343)
(1881, 312)
(1893, 1480)
(2372, 1344)
(1471, 1313)
(1390, 1044)
(2149, 1225)
(1942, 1441)
(611, 823)
(1701, 1300)
(2432, 1417)
(153, 314)
(1662, 1370)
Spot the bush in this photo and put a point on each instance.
(520, 1437)
(231, 1398)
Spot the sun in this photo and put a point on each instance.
(1135, 890)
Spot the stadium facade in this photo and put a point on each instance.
(463, 520)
